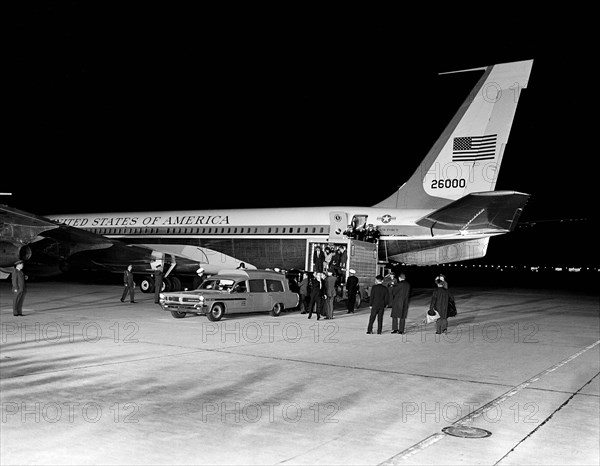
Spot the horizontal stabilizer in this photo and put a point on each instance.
(490, 210)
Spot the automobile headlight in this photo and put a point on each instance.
(201, 298)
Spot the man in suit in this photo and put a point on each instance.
(318, 259)
(352, 289)
(303, 292)
(400, 298)
(158, 282)
(330, 292)
(18, 287)
(316, 295)
(380, 299)
(129, 284)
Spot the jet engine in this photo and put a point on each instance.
(12, 252)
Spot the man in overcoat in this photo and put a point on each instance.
(439, 301)
(380, 299)
(18, 287)
(400, 298)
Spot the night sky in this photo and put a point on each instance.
(155, 106)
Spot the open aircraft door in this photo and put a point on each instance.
(338, 223)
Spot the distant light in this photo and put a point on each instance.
(558, 269)
(574, 269)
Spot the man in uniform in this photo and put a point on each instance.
(352, 290)
(158, 282)
(198, 279)
(18, 287)
(129, 284)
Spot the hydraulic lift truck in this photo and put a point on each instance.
(362, 258)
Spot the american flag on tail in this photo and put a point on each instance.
(474, 148)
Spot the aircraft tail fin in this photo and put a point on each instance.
(467, 156)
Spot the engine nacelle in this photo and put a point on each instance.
(12, 252)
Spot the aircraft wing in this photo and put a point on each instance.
(18, 229)
(56, 241)
(491, 210)
(20, 226)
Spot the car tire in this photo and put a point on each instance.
(178, 314)
(216, 313)
(277, 309)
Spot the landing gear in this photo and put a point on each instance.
(169, 284)
(147, 285)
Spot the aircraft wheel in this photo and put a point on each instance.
(216, 313)
(178, 314)
(147, 285)
(176, 284)
(167, 285)
(277, 309)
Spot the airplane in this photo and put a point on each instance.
(447, 211)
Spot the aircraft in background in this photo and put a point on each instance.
(446, 212)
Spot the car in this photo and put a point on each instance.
(233, 292)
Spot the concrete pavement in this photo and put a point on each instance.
(86, 379)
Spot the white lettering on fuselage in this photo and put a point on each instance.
(154, 221)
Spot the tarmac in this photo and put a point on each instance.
(86, 379)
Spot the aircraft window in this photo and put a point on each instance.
(256, 286)
(256, 230)
(314, 230)
(306, 230)
(321, 229)
(269, 230)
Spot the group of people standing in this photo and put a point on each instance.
(396, 294)
(368, 233)
(317, 293)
